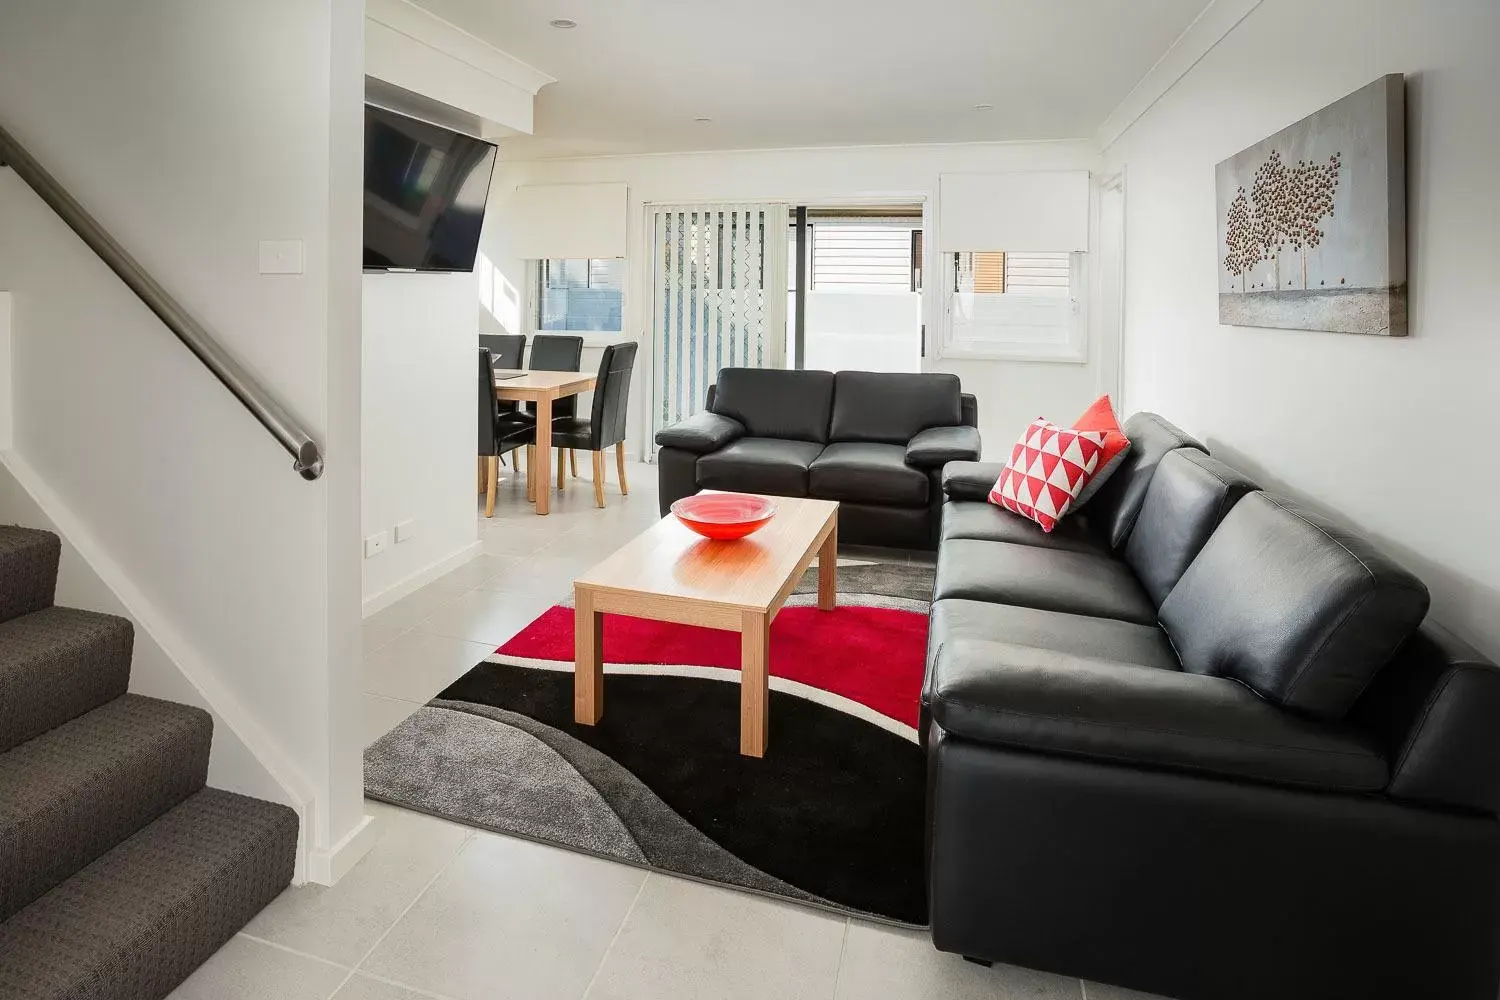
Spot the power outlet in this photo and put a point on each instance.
(406, 531)
(375, 544)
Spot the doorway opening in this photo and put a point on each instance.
(854, 281)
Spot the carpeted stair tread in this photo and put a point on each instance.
(140, 919)
(76, 791)
(28, 570)
(57, 664)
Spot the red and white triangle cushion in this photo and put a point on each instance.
(1047, 470)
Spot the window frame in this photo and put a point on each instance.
(1074, 350)
(535, 272)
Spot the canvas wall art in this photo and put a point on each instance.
(1312, 221)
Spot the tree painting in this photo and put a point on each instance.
(1285, 209)
(1318, 243)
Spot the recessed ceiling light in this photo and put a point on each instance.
(984, 107)
(563, 22)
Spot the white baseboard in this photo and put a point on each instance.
(420, 579)
(328, 865)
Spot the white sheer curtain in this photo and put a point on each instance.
(719, 287)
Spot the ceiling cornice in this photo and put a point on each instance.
(426, 27)
(1208, 29)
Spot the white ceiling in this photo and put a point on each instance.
(634, 74)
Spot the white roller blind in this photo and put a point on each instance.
(1044, 210)
(578, 221)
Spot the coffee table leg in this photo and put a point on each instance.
(755, 649)
(588, 659)
(828, 569)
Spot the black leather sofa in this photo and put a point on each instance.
(876, 442)
(1198, 742)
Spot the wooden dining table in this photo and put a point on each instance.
(541, 388)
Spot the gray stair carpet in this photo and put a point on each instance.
(119, 872)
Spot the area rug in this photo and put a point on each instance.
(832, 816)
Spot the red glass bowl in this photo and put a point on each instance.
(724, 515)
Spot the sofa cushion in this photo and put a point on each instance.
(1187, 498)
(1117, 504)
(982, 519)
(1075, 635)
(1039, 700)
(1100, 416)
(776, 402)
(1033, 577)
(1048, 467)
(892, 407)
(869, 473)
(759, 465)
(1292, 605)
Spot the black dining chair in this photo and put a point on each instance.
(552, 352)
(508, 348)
(498, 433)
(605, 426)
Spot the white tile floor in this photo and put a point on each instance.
(440, 910)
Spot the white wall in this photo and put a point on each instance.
(194, 129)
(1010, 393)
(1391, 435)
(420, 344)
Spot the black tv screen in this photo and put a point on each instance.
(425, 192)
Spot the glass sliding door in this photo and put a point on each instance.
(719, 298)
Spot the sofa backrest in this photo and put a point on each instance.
(1118, 503)
(1293, 606)
(891, 407)
(776, 402)
(1186, 500)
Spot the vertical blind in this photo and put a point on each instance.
(719, 289)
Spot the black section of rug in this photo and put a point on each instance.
(835, 807)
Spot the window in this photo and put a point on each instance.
(580, 296)
(1015, 305)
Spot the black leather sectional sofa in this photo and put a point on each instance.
(875, 442)
(1199, 742)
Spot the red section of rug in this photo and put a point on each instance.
(873, 656)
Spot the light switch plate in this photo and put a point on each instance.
(405, 531)
(282, 257)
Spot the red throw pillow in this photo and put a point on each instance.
(1101, 417)
(1047, 470)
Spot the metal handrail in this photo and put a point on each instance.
(236, 378)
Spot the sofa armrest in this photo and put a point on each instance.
(1042, 701)
(970, 480)
(701, 433)
(937, 446)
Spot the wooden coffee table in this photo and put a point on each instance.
(671, 574)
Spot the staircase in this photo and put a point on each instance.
(120, 873)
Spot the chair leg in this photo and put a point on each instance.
(493, 476)
(562, 471)
(598, 478)
(620, 464)
(531, 473)
(573, 462)
(482, 467)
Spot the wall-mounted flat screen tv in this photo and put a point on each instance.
(425, 192)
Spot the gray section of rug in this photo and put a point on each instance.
(892, 580)
(484, 766)
(476, 770)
